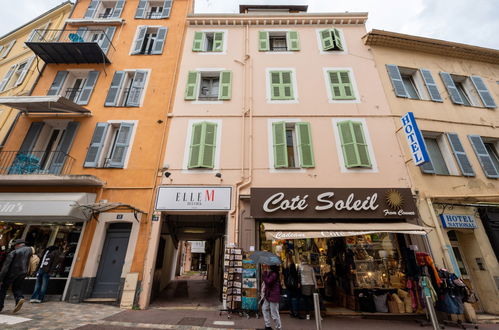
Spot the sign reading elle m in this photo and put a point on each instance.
(194, 198)
(414, 139)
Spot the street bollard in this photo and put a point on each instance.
(431, 311)
(317, 309)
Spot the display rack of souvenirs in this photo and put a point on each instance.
(233, 279)
(250, 286)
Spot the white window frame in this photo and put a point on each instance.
(469, 89)
(100, 9)
(287, 46)
(13, 78)
(269, 89)
(107, 143)
(187, 148)
(333, 52)
(148, 7)
(72, 75)
(270, 149)
(328, 85)
(418, 82)
(494, 142)
(204, 52)
(142, 96)
(372, 156)
(137, 30)
(200, 74)
(446, 151)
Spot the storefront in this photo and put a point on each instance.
(43, 220)
(360, 242)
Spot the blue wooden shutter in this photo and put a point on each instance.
(120, 148)
(280, 146)
(451, 88)
(59, 80)
(137, 88)
(62, 151)
(92, 7)
(31, 137)
(431, 85)
(305, 148)
(396, 78)
(7, 77)
(141, 9)
(108, 38)
(460, 155)
(195, 147)
(159, 42)
(208, 145)
(167, 6)
(427, 167)
(483, 156)
(88, 88)
(118, 9)
(114, 90)
(139, 41)
(484, 93)
(96, 145)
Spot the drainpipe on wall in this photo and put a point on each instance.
(438, 229)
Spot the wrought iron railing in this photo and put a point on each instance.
(80, 35)
(131, 96)
(73, 94)
(154, 14)
(35, 162)
(106, 15)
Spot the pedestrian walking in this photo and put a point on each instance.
(308, 285)
(292, 283)
(50, 264)
(14, 270)
(272, 296)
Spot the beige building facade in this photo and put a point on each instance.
(453, 91)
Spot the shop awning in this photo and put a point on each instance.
(44, 207)
(43, 104)
(302, 230)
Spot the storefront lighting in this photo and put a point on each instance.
(194, 231)
(69, 224)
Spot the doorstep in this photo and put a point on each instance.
(100, 300)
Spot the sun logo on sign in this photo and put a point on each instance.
(394, 199)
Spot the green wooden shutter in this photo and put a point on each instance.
(195, 148)
(208, 145)
(396, 78)
(460, 154)
(287, 85)
(263, 41)
(327, 39)
(341, 85)
(280, 146)
(192, 85)
(197, 45)
(225, 91)
(281, 85)
(293, 40)
(275, 85)
(337, 39)
(484, 93)
(305, 148)
(218, 41)
(353, 144)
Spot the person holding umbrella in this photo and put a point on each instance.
(272, 296)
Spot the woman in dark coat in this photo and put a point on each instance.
(272, 296)
(292, 282)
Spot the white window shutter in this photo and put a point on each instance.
(159, 43)
(139, 40)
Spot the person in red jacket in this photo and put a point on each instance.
(272, 296)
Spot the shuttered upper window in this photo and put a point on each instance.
(341, 85)
(105, 9)
(209, 41)
(208, 85)
(354, 144)
(331, 40)
(486, 150)
(292, 145)
(468, 91)
(127, 89)
(5, 49)
(76, 86)
(281, 85)
(203, 145)
(110, 145)
(154, 9)
(149, 40)
(415, 84)
(16, 74)
(278, 41)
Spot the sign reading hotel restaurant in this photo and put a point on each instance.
(346, 203)
(415, 139)
(458, 221)
(194, 198)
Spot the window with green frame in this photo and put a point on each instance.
(341, 85)
(281, 85)
(203, 145)
(331, 40)
(219, 89)
(354, 144)
(208, 42)
(292, 145)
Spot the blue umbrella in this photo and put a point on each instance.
(266, 258)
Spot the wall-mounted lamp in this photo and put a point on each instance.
(167, 174)
(218, 175)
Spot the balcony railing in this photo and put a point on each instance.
(154, 14)
(73, 94)
(131, 96)
(35, 162)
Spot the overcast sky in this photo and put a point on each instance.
(472, 22)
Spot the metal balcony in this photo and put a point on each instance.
(71, 46)
(35, 162)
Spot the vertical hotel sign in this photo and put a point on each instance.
(415, 139)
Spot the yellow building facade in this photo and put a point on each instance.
(90, 139)
(19, 68)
